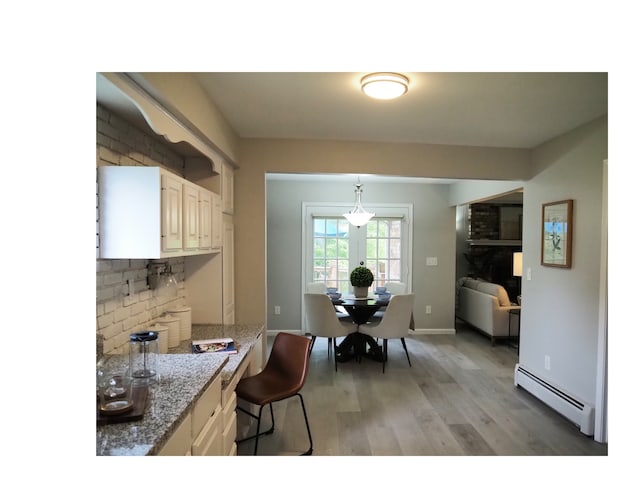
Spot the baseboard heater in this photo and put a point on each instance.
(578, 412)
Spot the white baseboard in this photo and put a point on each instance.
(421, 331)
(433, 331)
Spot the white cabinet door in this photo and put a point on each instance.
(206, 215)
(228, 293)
(216, 221)
(171, 213)
(209, 440)
(191, 217)
(180, 441)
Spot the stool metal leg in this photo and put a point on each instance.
(258, 432)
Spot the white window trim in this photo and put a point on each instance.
(328, 209)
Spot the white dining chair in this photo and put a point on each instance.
(316, 287)
(323, 321)
(321, 287)
(394, 324)
(394, 288)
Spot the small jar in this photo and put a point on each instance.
(143, 353)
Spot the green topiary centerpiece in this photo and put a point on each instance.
(361, 279)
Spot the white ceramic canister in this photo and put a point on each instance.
(163, 337)
(184, 314)
(173, 323)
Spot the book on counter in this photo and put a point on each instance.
(214, 345)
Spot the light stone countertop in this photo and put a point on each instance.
(183, 378)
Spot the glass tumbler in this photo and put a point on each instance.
(114, 392)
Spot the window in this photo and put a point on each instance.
(332, 247)
(331, 252)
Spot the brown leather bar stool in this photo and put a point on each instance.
(283, 377)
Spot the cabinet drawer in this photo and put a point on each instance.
(229, 435)
(209, 442)
(180, 442)
(208, 403)
(229, 409)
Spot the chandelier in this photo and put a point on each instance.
(358, 216)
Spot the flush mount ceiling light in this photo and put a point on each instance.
(358, 216)
(384, 86)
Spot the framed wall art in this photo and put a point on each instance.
(557, 226)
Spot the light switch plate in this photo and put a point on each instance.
(432, 261)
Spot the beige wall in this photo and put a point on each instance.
(560, 306)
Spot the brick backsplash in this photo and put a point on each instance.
(119, 313)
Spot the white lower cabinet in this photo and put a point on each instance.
(209, 441)
(206, 421)
(230, 425)
(212, 426)
(180, 442)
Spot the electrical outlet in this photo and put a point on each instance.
(528, 273)
(427, 309)
(547, 362)
(277, 309)
(432, 261)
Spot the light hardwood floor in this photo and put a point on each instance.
(458, 398)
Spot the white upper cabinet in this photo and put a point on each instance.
(191, 217)
(205, 217)
(148, 212)
(172, 201)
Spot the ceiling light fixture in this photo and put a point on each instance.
(384, 86)
(358, 216)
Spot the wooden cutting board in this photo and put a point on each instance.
(139, 396)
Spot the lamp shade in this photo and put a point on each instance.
(517, 264)
(358, 216)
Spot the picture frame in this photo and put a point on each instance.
(557, 234)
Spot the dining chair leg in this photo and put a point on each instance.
(405, 350)
(313, 341)
(335, 354)
(329, 340)
(384, 353)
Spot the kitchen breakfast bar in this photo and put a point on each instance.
(191, 410)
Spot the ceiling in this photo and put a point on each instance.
(477, 109)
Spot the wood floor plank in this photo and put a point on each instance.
(471, 441)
